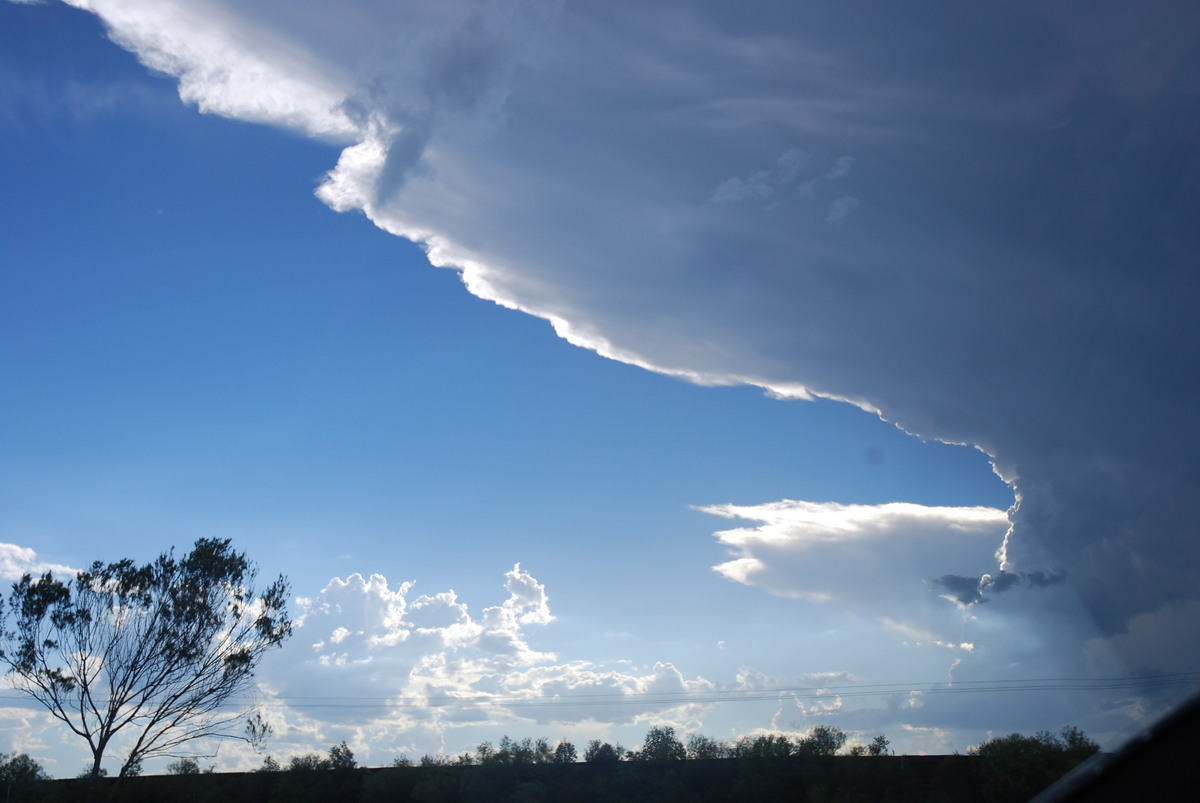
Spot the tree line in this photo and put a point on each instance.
(661, 743)
(815, 766)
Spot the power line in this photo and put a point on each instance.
(724, 696)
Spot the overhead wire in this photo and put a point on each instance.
(722, 696)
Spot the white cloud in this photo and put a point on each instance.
(872, 556)
(232, 65)
(528, 602)
(16, 561)
(371, 665)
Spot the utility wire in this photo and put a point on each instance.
(723, 696)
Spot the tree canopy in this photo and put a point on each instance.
(21, 775)
(661, 744)
(1016, 767)
(160, 652)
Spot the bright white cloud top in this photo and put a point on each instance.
(430, 665)
(829, 552)
(971, 220)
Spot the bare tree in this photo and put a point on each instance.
(164, 652)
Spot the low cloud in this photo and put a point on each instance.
(967, 591)
(16, 561)
(433, 667)
(863, 557)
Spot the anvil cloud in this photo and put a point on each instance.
(975, 221)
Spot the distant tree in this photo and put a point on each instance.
(313, 777)
(187, 766)
(270, 765)
(661, 744)
(823, 740)
(765, 746)
(158, 651)
(700, 746)
(1076, 745)
(877, 747)
(514, 752)
(20, 776)
(1017, 767)
(542, 752)
(598, 752)
(308, 762)
(340, 757)
(564, 753)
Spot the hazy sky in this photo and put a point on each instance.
(585, 415)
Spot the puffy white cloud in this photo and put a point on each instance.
(231, 64)
(392, 673)
(16, 560)
(527, 603)
(873, 557)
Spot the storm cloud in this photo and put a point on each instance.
(976, 221)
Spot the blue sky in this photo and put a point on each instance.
(659, 285)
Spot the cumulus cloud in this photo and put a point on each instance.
(387, 670)
(16, 561)
(854, 555)
(1021, 284)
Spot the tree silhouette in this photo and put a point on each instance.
(156, 651)
(21, 776)
(822, 740)
(661, 744)
(564, 753)
(1017, 767)
(598, 752)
